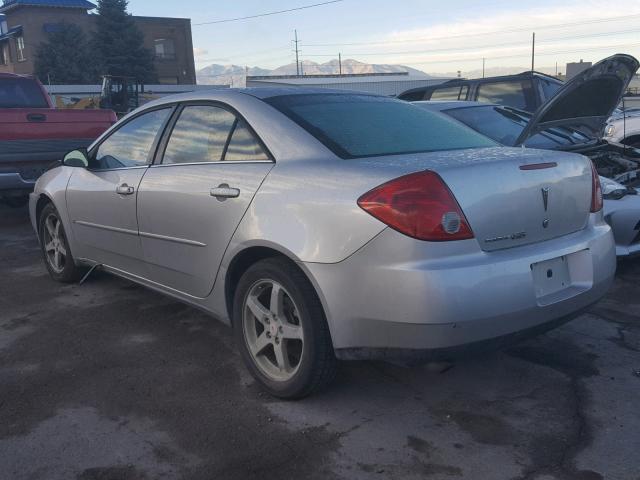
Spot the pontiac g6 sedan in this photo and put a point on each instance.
(327, 225)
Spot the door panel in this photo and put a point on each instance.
(184, 229)
(104, 222)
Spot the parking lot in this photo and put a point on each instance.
(111, 381)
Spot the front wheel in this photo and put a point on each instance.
(55, 247)
(280, 327)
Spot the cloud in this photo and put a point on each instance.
(200, 52)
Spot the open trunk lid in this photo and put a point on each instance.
(587, 101)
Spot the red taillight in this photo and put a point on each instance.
(596, 190)
(419, 205)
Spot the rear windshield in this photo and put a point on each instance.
(21, 93)
(355, 126)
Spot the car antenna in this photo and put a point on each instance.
(91, 270)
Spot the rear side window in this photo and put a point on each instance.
(244, 146)
(130, 145)
(515, 94)
(200, 135)
(21, 93)
(450, 93)
(354, 126)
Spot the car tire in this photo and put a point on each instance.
(17, 202)
(55, 247)
(281, 330)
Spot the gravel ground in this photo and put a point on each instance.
(111, 381)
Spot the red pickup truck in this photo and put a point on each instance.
(33, 134)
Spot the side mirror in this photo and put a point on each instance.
(76, 158)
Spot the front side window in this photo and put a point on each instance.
(200, 135)
(130, 145)
(549, 88)
(357, 125)
(3, 54)
(512, 94)
(20, 48)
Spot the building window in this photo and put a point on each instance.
(165, 48)
(4, 57)
(20, 48)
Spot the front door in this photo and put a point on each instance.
(190, 205)
(102, 198)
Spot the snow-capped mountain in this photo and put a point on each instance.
(235, 75)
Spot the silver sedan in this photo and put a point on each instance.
(328, 225)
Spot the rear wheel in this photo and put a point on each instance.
(281, 330)
(55, 247)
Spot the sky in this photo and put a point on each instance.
(432, 36)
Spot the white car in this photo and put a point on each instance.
(624, 127)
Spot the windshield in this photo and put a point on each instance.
(504, 125)
(354, 126)
(21, 93)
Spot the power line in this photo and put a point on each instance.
(526, 55)
(479, 47)
(267, 14)
(467, 35)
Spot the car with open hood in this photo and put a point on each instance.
(574, 120)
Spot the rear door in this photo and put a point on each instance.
(101, 199)
(191, 201)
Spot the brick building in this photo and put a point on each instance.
(24, 24)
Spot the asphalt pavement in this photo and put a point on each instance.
(110, 381)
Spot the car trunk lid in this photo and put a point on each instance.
(510, 196)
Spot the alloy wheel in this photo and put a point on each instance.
(54, 243)
(273, 330)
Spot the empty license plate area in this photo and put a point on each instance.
(562, 277)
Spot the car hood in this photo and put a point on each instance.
(587, 101)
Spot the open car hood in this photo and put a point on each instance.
(586, 101)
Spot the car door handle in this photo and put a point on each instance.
(125, 189)
(36, 117)
(225, 191)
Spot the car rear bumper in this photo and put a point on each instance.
(398, 294)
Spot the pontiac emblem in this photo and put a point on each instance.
(545, 198)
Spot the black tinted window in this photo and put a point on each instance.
(200, 135)
(362, 125)
(505, 126)
(21, 93)
(130, 145)
(243, 145)
(515, 94)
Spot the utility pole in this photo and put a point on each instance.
(533, 52)
(340, 62)
(483, 60)
(297, 53)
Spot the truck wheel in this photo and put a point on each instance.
(280, 327)
(17, 202)
(55, 247)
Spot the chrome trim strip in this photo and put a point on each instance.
(220, 162)
(99, 170)
(173, 239)
(106, 227)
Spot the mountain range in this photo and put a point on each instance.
(235, 75)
